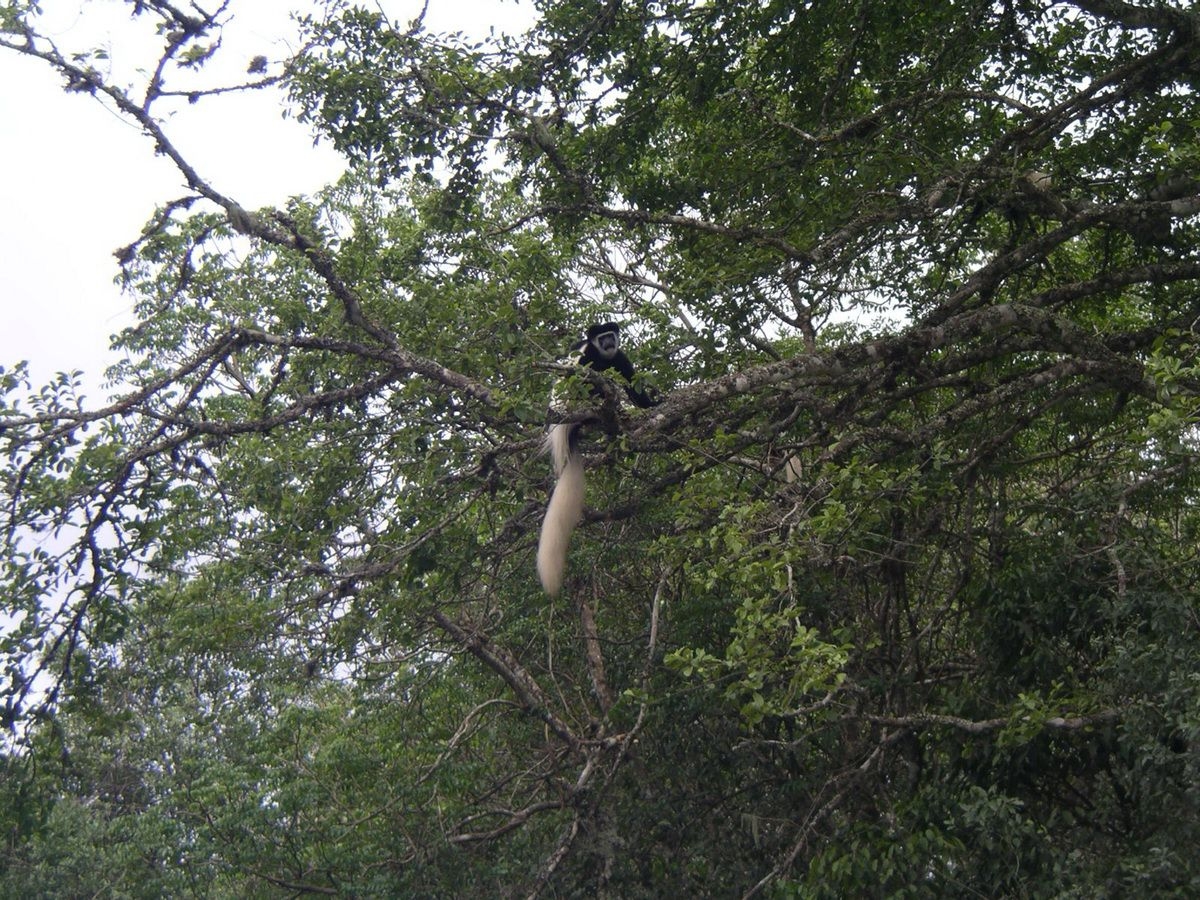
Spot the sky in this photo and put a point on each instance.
(77, 182)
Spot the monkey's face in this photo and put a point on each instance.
(606, 344)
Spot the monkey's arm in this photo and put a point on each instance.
(622, 364)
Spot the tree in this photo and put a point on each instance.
(893, 595)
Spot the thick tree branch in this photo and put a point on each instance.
(923, 721)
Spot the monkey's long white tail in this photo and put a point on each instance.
(564, 511)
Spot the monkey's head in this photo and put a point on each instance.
(605, 338)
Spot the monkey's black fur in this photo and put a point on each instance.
(601, 352)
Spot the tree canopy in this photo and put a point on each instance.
(895, 594)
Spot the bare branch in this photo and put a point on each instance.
(529, 694)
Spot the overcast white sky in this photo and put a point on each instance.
(77, 182)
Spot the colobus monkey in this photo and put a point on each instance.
(601, 351)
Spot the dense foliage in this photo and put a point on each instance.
(894, 595)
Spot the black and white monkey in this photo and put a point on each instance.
(601, 352)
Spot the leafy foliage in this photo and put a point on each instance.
(894, 595)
